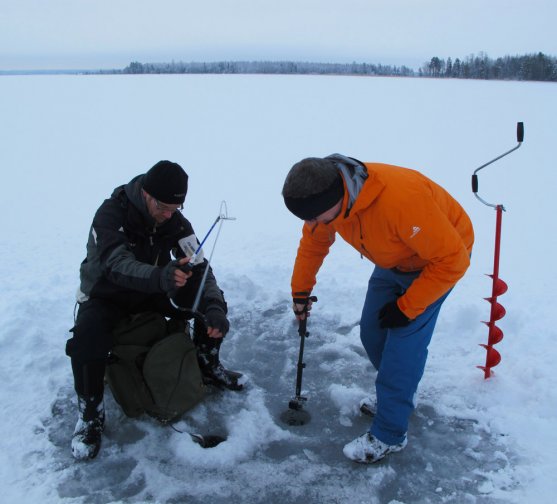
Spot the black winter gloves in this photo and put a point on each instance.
(167, 281)
(391, 316)
(302, 303)
(216, 318)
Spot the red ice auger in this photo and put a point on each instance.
(499, 287)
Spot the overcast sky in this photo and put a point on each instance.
(89, 34)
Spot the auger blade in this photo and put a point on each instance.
(493, 357)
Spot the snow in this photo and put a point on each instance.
(68, 140)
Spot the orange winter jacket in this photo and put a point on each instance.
(400, 219)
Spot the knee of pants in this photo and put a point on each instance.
(85, 349)
(373, 341)
(92, 334)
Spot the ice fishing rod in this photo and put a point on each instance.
(223, 215)
(191, 263)
(209, 440)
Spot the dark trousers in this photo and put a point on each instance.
(93, 339)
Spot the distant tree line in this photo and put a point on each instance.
(267, 67)
(531, 67)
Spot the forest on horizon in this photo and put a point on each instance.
(529, 67)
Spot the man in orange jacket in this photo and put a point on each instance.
(420, 240)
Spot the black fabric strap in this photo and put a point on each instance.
(311, 206)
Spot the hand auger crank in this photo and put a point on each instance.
(499, 287)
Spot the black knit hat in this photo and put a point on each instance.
(311, 206)
(166, 182)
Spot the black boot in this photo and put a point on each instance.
(86, 439)
(89, 385)
(214, 373)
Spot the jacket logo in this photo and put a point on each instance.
(415, 231)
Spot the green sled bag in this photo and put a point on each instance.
(153, 368)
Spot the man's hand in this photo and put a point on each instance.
(180, 276)
(172, 277)
(217, 323)
(302, 306)
(391, 316)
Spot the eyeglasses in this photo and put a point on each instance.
(165, 208)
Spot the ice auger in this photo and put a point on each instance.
(499, 287)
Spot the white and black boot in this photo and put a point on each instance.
(367, 449)
(89, 386)
(214, 373)
(86, 439)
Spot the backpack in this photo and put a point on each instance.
(153, 367)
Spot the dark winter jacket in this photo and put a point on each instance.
(126, 251)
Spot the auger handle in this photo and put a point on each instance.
(520, 132)
(303, 332)
(475, 182)
(302, 326)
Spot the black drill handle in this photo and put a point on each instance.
(475, 183)
(302, 327)
(301, 365)
(302, 331)
(520, 132)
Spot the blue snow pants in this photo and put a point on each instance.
(398, 354)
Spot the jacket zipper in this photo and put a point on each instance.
(362, 246)
(155, 263)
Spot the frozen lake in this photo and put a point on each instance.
(68, 140)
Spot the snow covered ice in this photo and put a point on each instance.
(68, 140)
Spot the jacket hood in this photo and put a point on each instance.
(133, 192)
(354, 174)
